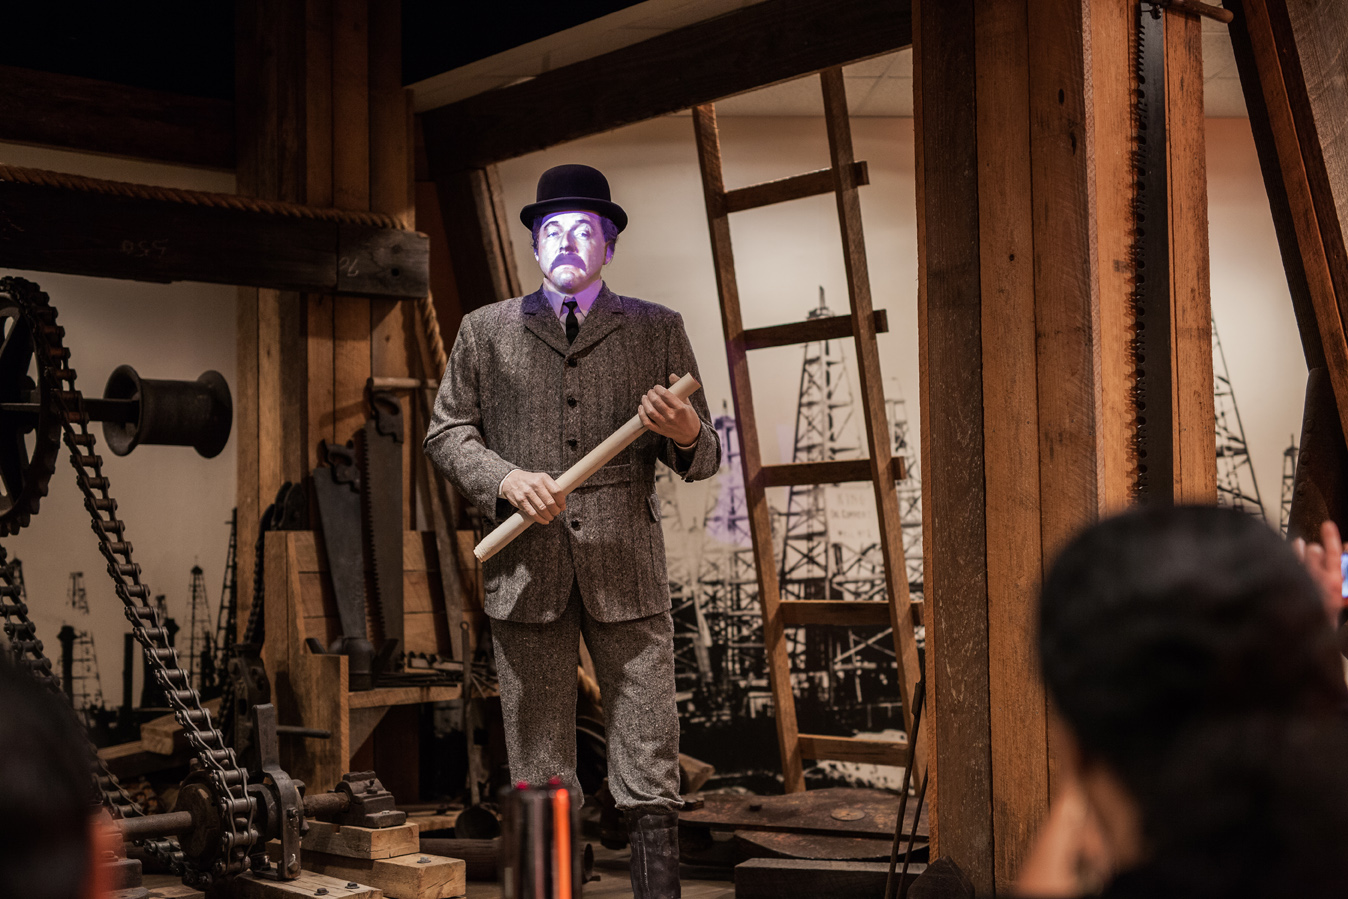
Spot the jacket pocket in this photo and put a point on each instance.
(653, 501)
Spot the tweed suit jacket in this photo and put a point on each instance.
(515, 395)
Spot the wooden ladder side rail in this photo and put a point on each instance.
(872, 390)
(755, 495)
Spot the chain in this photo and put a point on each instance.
(26, 651)
(216, 758)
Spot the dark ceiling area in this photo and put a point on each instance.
(188, 47)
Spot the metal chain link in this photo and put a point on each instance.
(217, 760)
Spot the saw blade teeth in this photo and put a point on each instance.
(367, 516)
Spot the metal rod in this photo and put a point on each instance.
(919, 697)
(150, 826)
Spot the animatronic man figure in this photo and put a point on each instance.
(533, 384)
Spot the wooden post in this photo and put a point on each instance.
(1023, 183)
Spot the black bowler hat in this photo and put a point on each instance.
(567, 188)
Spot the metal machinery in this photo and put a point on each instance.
(231, 803)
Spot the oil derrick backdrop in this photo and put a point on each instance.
(827, 542)
(1237, 487)
(80, 663)
(226, 616)
(1289, 473)
(198, 626)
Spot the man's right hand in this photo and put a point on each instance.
(535, 494)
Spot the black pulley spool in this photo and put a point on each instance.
(166, 413)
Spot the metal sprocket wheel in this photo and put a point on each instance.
(28, 444)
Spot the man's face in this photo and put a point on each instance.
(571, 251)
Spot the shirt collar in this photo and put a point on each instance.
(584, 300)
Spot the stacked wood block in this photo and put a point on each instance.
(387, 859)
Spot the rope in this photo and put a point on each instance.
(44, 178)
(430, 326)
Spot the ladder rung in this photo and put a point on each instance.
(854, 749)
(797, 474)
(811, 184)
(835, 327)
(841, 612)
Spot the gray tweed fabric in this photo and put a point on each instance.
(634, 661)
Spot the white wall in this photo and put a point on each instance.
(784, 252)
(176, 505)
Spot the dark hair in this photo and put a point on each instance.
(606, 225)
(1188, 650)
(46, 792)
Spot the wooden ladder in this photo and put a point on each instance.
(882, 468)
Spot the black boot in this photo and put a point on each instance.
(654, 835)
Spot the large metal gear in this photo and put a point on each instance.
(32, 329)
(28, 443)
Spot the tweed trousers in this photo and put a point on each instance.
(634, 662)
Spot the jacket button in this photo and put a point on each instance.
(570, 400)
(575, 524)
(571, 361)
(573, 443)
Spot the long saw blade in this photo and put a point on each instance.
(382, 480)
(1151, 268)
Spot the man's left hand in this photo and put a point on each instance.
(667, 415)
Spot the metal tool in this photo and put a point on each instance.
(337, 489)
(1154, 435)
(381, 460)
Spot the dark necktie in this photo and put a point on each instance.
(572, 323)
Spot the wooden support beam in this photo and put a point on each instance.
(1024, 180)
(91, 116)
(77, 232)
(477, 229)
(834, 612)
(753, 47)
(1293, 62)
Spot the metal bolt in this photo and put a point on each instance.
(424, 860)
(321, 891)
(351, 885)
(755, 806)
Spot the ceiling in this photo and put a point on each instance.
(188, 48)
(877, 87)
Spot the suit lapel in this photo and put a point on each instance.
(606, 316)
(539, 318)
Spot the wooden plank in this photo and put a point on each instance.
(741, 392)
(1190, 293)
(478, 233)
(770, 878)
(839, 811)
(838, 471)
(1112, 76)
(783, 190)
(834, 327)
(54, 229)
(954, 479)
(862, 750)
(362, 842)
(164, 735)
(751, 48)
(1016, 703)
(271, 393)
(878, 437)
(834, 612)
(246, 449)
(350, 105)
(91, 116)
(308, 884)
(1274, 95)
(387, 696)
(414, 876)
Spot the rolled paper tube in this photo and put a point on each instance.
(579, 473)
